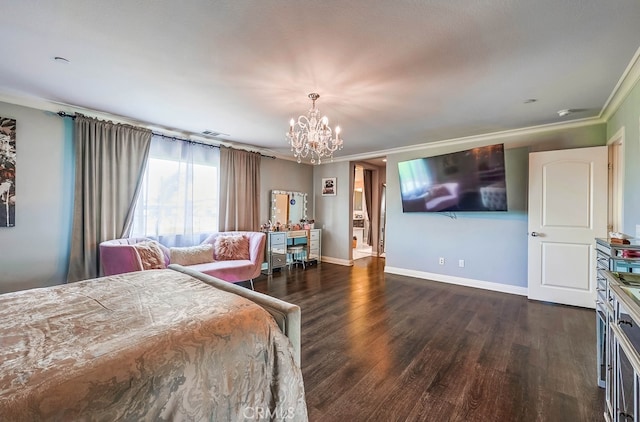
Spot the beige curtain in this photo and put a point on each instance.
(239, 190)
(110, 162)
(368, 191)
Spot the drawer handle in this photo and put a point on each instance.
(626, 416)
(625, 322)
(598, 289)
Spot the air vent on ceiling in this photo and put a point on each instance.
(213, 133)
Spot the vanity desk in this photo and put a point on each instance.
(622, 346)
(611, 258)
(289, 209)
(276, 256)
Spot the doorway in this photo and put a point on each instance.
(368, 208)
(361, 215)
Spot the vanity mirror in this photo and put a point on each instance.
(288, 206)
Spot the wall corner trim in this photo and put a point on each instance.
(467, 282)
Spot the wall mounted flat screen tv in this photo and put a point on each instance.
(470, 180)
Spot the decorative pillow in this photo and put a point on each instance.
(232, 247)
(192, 255)
(150, 254)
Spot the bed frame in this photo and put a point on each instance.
(286, 315)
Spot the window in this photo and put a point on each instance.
(414, 176)
(178, 202)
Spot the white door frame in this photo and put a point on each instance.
(615, 145)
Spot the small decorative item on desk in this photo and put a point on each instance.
(266, 227)
(630, 253)
(619, 238)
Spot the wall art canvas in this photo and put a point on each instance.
(7, 172)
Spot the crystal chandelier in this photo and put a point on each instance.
(313, 137)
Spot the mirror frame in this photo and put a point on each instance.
(358, 198)
(272, 205)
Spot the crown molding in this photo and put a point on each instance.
(508, 136)
(625, 84)
(511, 138)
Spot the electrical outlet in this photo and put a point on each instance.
(461, 263)
(441, 261)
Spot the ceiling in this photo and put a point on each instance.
(390, 73)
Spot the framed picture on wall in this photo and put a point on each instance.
(329, 186)
(7, 172)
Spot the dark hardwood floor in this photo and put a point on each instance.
(382, 347)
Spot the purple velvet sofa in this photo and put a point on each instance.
(119, 256)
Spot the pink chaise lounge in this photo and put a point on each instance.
(119, 256)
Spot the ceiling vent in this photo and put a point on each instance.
(213, 133)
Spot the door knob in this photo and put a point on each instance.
(534, 234)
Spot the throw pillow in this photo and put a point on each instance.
(232, 247)
(192, 255)
(150, 255)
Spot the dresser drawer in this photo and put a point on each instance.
(601, 279)
(602, 261)
(297, 233)
(314, 235)
(279, 239)
(278, 260)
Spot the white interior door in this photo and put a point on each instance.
(567, 211)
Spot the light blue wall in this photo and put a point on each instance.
(628, 116)
(35, 252)
(493, 245)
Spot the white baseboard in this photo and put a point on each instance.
(468, 282)
(332, 260)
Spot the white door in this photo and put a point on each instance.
(567, 211)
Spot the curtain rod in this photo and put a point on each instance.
(175, 138)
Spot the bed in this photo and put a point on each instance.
(169, 344)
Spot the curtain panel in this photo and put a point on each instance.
(368, 192)
(110, 159)
(239, 190)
